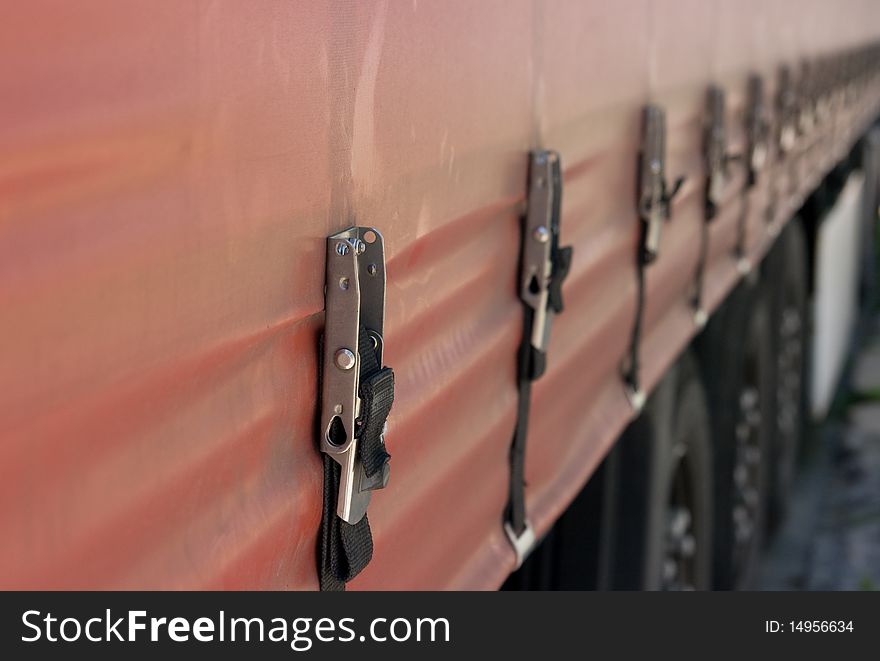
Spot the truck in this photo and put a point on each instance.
(232, 233)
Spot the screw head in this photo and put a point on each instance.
(344, 359)
(359, 246)
(541, 234)
(342, 248)
(372, 269)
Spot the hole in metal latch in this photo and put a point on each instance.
(343, 283)
(534, 285)
(336, 432)
(370, 236)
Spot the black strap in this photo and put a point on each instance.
(742, 223)
(529, 363)
(344, 549)
(377, 395)
(699, 275)
(632, 367)
(561, 267)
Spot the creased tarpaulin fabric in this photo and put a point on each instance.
(176, 224)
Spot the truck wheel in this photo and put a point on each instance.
(790, 348)
(663, 536)
(737, 358)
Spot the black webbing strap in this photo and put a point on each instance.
(710, 212)
(377, 395)
(632, 367)
(742, 225)
(561, 267)
(344, 548)
(532, 362)
(516, 508)
(699, 275)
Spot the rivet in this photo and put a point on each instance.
(344, 359)
(541, 234)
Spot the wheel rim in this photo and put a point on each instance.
(788, 392)
(748, 457)
(679, 568)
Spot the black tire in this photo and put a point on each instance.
(663, 513)
(788, 273)
(736, 356)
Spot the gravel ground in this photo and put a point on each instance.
(831, 539)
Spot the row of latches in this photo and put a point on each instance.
(802, 103)
(355, 275)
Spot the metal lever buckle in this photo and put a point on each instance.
(758, 128)
(786, 108)
(540, 228)
(717, 157)
(355, 297)
(806, 101)
(655, 197)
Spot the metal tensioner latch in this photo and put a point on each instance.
(357, 390)
(806, 99)
(655, 195)
(718, 158)
(544, 264)
(757, 128)
(786, 109)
